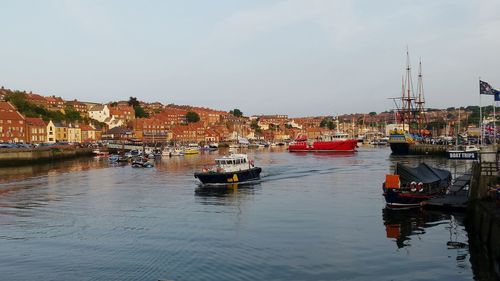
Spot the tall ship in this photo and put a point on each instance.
(337, 142)
(409, 113)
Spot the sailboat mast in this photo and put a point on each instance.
(420, 100)
(409, 92)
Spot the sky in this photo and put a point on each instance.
(295, 57)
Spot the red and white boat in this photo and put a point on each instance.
(338, 142)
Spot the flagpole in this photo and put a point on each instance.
(494, 122)
(480, 115)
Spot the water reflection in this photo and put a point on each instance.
(403, 226)
(9, 174)
(229, 194)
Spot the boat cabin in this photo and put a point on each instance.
(232, 163)
(335, 137)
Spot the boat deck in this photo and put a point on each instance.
(456, 199)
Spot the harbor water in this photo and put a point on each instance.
(310, 217)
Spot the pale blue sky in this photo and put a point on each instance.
(308, 57)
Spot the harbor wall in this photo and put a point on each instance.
(15, 157)
(483, 216)
(428, 149)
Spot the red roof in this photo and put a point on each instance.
(85, 127)
(9, 112)
(35, 122)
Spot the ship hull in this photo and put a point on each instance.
(232, 177)
(398, 200)
(324, 146)
(400, 148)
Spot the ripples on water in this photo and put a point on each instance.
(310, 217)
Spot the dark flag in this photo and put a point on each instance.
(485, 88)
(497, 95)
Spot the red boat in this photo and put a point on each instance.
(338, 142)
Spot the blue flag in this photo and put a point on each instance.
(497, 95)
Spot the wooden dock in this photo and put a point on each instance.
(456, 199)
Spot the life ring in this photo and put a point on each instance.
(413, 186)
(420, 187)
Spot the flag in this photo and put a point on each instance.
(485, 88)
(497, 95)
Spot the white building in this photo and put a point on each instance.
(99, 112)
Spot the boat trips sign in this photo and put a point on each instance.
(462, 155)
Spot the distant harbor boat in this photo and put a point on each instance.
(337, 142)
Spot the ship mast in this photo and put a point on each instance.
(408, 96)
(422, 119)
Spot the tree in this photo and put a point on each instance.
(236, 112)
(71, 114)
(133, 102)
(140, 113)
(113, 104)
(192, 117)
(327, 122)
(372, 113)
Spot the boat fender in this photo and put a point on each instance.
(204, 170)
(413, 186)
(251, 163)
(420, 187)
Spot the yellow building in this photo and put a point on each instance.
(74, 133)
(56, 132)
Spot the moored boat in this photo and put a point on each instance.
(192, 148)
(408, 187)
(338, 142)
(235, 168)
(400, 142)
(141, 163)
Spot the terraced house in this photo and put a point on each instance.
(36, 130)
(12, 124)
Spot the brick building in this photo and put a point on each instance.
(36, 130)
(12, 124)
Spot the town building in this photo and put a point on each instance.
(172, 116)
(36, 99)
(125, 113)
(56, 132)
(78, 106)
(99, 112)
(89, 133)
(150, 130)
(12, 124)
(74, 133)
(36, 130)
(189, 133)
(118, 134)
(54, 103)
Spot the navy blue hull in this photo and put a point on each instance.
(400, 148)
(233, 177)
(396, 199)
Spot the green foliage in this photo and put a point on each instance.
(133, 102)
(192, 117)
(28, 109)
(140, 113)
(372, 113)
(71, 114)
(113, 104)
(236, 112)
(327, 122)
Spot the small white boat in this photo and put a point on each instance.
(177, 152)
(192, 148)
